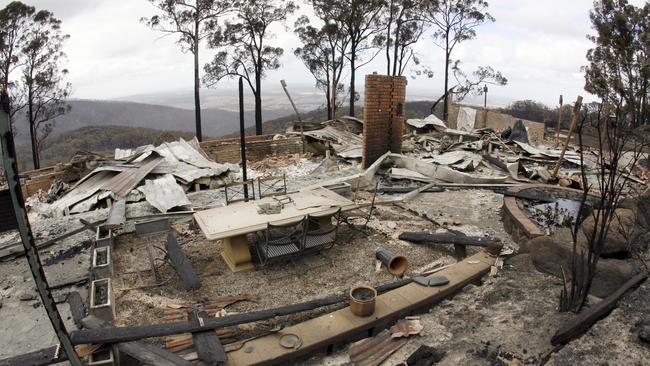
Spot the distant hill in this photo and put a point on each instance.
(419, 109)
(97, 136)
(87, 113)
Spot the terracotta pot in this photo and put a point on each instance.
(362, 300)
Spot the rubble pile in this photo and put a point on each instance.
(161, 175)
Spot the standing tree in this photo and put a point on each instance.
(466, 85)
(318, 53)
(192, 21)
(323, 52)
(618, 67)
(248, 55)
(403, 27)
(359, 21)
(454, 21)
(15, 18)
(44, 89)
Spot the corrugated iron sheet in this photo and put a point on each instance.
(124, 182)
(164, 193)
(85, 189)
(345, 143)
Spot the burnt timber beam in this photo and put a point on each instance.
(146, 354)
(324, 333)
(207, 344)
(43, 357)
(182, 264)
(581, 323)
(125, 334)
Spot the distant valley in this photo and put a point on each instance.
(91, 113)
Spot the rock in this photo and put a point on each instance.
(610, 275)
(26, 296)
(521, 263)
(550, 256)
(0, 304)
(457, 222)
(620, 230)
(644, 333)
(643, 206)
(564, 235)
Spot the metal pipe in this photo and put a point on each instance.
(242, 137)
(13, 181)
(396, 264)
(302, 125)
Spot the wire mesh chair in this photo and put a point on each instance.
(280, 241)
(271, 186)
(361, 215)
(319, 232)
(237, 191)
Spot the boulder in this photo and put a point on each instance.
(550, 256)
(643, 207)
(564, 235)
(621, 229)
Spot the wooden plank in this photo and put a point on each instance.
(145, 353)
(181, 264)
(319, 333)
(446, 238)
(77, 308)
(581, 323)
(46, 356)
(124, 334)
(207, 344)
(16, 249)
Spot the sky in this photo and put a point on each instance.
(539, 46)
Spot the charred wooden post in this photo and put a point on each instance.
(181, 264)
(207, 344)
(29, 244)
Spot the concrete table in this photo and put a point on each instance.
(232, 223)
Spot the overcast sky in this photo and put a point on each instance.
(538, 45)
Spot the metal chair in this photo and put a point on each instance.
(280, 241)
(237, 194)
(364, 216)
(318, 236)
(271, 186)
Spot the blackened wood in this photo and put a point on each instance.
(125, 334)
(583, 321)
(207, 344)
(77, 308)
(27, 238)
(145, 353)
(496, 162)
(182, 265)
(446, 238)
(7, 215)
(41, 357)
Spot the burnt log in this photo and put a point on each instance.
(182, 264)
(577, 326)
(126, 334)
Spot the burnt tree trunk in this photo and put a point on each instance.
(197, 85)
(353, 72)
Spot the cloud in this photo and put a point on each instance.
(540, 47)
